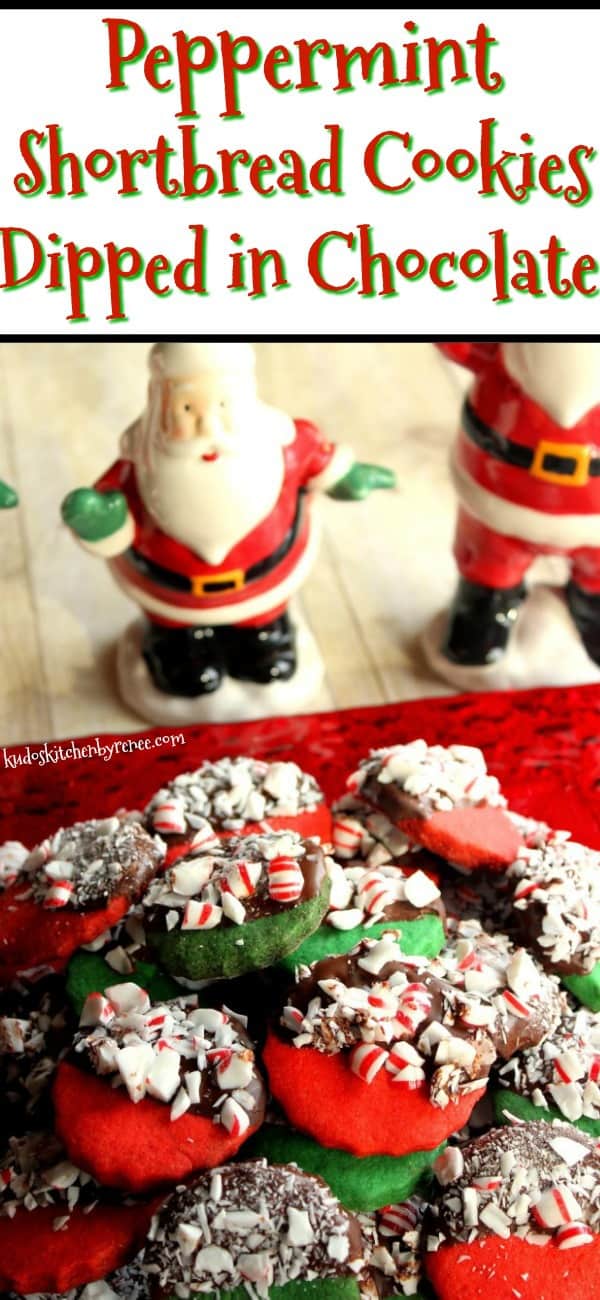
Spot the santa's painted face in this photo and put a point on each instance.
(563, 378)
(206, 415)
(209, 461)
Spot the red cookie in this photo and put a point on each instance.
(70, 889)
(58, 1229)
(321, 1096)
(236, 796)
(363, 1058)
(443, 799)
(516, 1214)
(192, 1091)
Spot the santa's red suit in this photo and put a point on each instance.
(253, 584)
(527, 471)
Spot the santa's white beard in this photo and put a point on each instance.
(563, 378)
(210, 506)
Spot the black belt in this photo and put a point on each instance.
(232, 579)
(552, 462)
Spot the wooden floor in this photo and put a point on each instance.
(385, 565)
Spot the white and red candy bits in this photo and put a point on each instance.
(366, 1060)
(516, 1180)
(12, 857)
(443, 777)
(347, 836)
(206, 889)
(201, 916)
(563, 1071)
(59, 894)
(574, 1234)
(561, 880)
(286, 881)
(168, 816)
(165, 1052)
(232, 792)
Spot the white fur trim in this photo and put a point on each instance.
(341, 462)
(253, 607)
(542, 528)
(108, 547)
(182, 360)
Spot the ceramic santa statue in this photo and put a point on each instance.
(206, 519)
(526, 467)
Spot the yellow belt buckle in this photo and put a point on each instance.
(200, 582)
(573, 451)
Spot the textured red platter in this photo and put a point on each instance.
(544, 745)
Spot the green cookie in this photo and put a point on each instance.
(361, 1183)
(504, 1100)
(322, 1288)
(586, 988)
(233, 950)
(88, 972)
(422, 937)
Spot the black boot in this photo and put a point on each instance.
(584, 607)
(184, 660)
(480, 622)
(262, 654)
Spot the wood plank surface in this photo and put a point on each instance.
(385, 565)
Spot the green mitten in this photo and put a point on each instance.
(8, 496)
(93, 515)
(361, 480)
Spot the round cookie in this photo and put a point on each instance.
(251, 1228)
(527, 1003)
(151, 1094)
(70, 889)
(58, 1229)
(509, 1210)
(239, 908)
(374, 1054)
(236, 796)
(557, 1080)
(443, 799)
(379, 881)
(556, 903)
(361, 1183)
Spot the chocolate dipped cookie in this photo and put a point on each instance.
(239, 907)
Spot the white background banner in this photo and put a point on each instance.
(261, 257)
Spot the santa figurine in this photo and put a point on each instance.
(526, 467)
(206, 519)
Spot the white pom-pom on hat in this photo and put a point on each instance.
(179, 360)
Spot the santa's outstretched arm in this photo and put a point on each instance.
(334, 469)
(100, 517)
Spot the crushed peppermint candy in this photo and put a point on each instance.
(563, 1072)
(392, 1239)
(433, 777)
(230, 793)
(178, 1053)
(388, 1011)
(376, 873)
(86, 865)
(528, 1180)
(34, 1173)
(517, 1002)
(251, 1225)
(556, 897)
(33, 1038)
(12, 856)
(239, 880)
